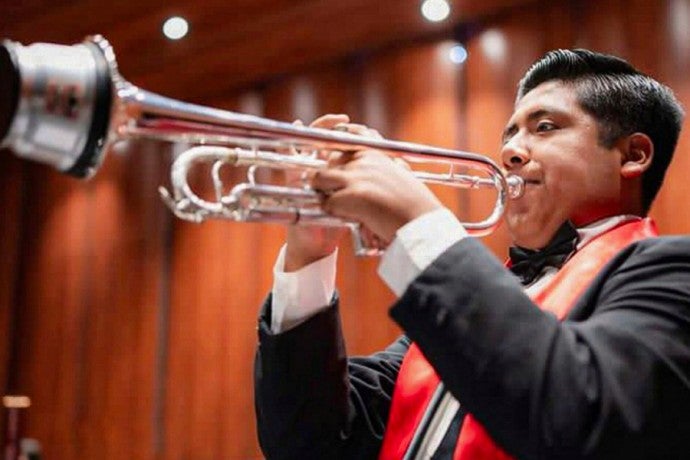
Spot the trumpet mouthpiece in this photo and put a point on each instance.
(516, 186)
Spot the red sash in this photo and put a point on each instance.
(417, 380)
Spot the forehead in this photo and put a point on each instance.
(549, 96)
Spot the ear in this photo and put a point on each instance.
(637, 152)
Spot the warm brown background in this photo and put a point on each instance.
(134, 332)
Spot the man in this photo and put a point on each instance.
(591, 360)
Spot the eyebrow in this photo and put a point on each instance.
(512, 128)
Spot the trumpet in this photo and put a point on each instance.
(68, 105)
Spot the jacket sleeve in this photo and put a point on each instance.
(612, 381)
(311, 401)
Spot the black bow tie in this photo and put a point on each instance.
(527, 264)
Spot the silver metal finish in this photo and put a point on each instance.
(54, 114)
(57, 137)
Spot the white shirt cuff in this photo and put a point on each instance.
(301, 294)
(416, 245)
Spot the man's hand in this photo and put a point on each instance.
(307, 243)
(375, 190)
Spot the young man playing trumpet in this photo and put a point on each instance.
(584, 354)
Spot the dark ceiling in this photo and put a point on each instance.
(231, 44)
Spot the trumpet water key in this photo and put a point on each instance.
(66, 106)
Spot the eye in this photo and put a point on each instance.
(544, 126)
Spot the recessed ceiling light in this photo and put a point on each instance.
(494, 45)
(458, 54)
(435, 10)
(175, 28)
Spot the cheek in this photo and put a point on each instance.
(567, 190)
(602, 179)
(565, 181)
(577, 187)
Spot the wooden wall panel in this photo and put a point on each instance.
(407, 94)
(498, 56)
(233, 44)
(52, 305)
(134, 332)
(11, 196)
(11, 204)
(307, 97)
(87, 308)
(214, 299)
(672, 48)
(126, 229)
(614, 27)
(221, 273)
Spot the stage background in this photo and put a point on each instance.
(134, 332)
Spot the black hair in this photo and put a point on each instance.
(622, 99)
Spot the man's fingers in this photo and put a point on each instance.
(330, 121)
(337, 158)
(371, 240)
(329, 180)
(359, 129)
(402, 163)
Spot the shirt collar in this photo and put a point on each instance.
(592, 230)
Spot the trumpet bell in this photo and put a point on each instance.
(55, 103)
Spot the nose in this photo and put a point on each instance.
(514, 153)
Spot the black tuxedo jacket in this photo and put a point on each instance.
(610, 381)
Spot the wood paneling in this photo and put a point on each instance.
(11, 204)
(126, 260)
(671, 56)
(86, 310)
(215, 294)
(404, 95)
(52, 307)
(134, 332)
(232, 44)
(499, 55)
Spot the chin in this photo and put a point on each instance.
(528, 232)
(520, 229)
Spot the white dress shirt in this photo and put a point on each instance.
(301, 294)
